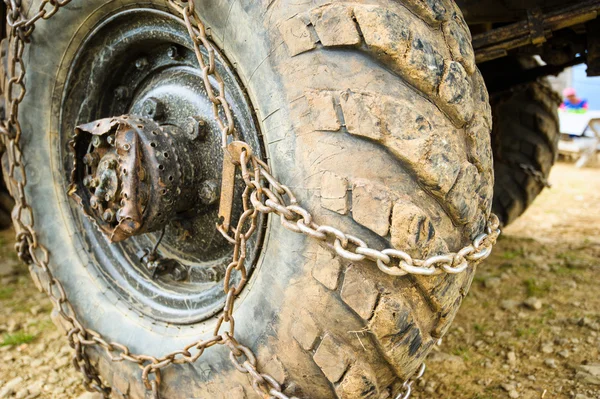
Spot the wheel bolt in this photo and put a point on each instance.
(96, 141)
(142, 63)
(153, 108)
(91, 159)
(179, 273)
(87, 181)
(108, 216)
(209, 192)
(111, 139)
(173, 52)
(94, 202)
(195, 127)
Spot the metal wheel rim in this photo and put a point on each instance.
(150, 33)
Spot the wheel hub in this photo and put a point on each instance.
(132, 176)
(146, 184)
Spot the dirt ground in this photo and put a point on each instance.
(529, 328)
(35, 359)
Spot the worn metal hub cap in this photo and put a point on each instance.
(142, 158)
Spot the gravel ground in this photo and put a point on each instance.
(35, 359)
(529, 328)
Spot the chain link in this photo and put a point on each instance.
(406, 388)
(263, 194)
(537, 175)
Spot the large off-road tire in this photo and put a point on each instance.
(377, 118)
(6, 206)
(525, 132)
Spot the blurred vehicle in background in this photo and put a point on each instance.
(580, 137)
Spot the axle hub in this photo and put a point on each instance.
(159, 201)
(131, 176)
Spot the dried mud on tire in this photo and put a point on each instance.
(495, 342)
(377, 117)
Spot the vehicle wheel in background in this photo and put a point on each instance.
(525, 137)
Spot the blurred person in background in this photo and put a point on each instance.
(572, 103)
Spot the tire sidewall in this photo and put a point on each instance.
(54, 46)
(282, 296)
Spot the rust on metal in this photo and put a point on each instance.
(535, 30)
(129, 181)
(231, 156)
(130, 176)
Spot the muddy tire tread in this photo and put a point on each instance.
(399, 319)
(405, 344)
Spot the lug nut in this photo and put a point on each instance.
(87, 181)
(153, 108)
(91, 159)
(209, 192)
(111, 140)
(108, 216)
(94, 202)
(179, 273)
(173, 52)
(121, 93)
(96, 141)
(195, 127)
(142, 63)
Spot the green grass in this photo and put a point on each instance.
(18, 338)
(6, 292)
(576, 259)
(462, 352)
(527, 332)
(536, 289)
(562, 270)
(550, 314)
(42, 325)
(528, 265)
(478, 279)
(513, 254)
(504, 266)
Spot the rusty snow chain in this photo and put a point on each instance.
(406, 388)
(37, 256)
(256, 199)
(537, 175)
(296, 218)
